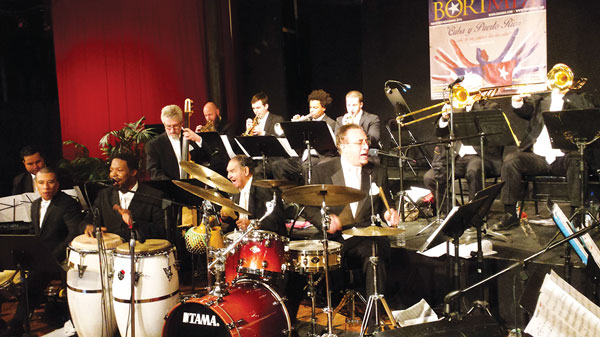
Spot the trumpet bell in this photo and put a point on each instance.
(560, 77)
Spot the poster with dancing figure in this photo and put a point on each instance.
(501, 41)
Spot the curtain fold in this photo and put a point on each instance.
(118, 60)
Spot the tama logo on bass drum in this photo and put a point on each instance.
(200, 319)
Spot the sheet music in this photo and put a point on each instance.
(419, 313)
(228, 147)
(286, 145)
(18, 207)
(563, 311)
(241, 147)
(464, 250)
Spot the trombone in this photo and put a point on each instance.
(560, 77)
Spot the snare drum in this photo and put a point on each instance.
(251, 308)
(84, 285)
(263, 253)
(195, 239)
(156, 289)
(307, 256)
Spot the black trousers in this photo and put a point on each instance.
(518, 164)
(468, 166)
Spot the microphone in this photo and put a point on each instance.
(106, 183)
(456, 81)
(403, 86)
(139, 235)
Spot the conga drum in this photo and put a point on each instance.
(85, 288)
(156, 289)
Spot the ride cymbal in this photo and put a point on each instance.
(273, 183)
(312, 195)
(373, 231)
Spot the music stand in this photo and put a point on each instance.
(26, 252)
(459, 219)
(493, 130)
(572, 130)
(262, 146)
(309, 135)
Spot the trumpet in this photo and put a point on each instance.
(305, 118)
(249, 130)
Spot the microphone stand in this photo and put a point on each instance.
(133, 277)
(456, 294)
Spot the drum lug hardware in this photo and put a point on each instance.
(264, 264)
(283, 267)
(169, 273)
(81, 269)
(268, 243)
(121, 275)
(315, 260)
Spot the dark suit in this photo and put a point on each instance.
(161, 160)
(370, 125)
(272, 119)
(294, 169)
(468, 166)
(22, 183)
(275, 222)
(60, 226)
(357, 248)
(525, 162)
(145, 208)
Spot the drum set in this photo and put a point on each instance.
(245, 271)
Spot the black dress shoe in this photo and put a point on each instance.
(508, 221)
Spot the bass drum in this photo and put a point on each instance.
(250, 309)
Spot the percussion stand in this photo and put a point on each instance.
(313, 304)
(325, 220)
(133, 278)
(376, 296)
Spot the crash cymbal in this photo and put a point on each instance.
(273, 183)
(208, 176)
(373, 231)
(210, 195)
(312, 195)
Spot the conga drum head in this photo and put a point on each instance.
(86, 243)
(150, 246)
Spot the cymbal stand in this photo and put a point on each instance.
(375, 297)
(312, 293)
(325, 220)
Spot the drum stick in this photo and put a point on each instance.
(387, 206)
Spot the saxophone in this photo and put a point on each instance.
(249, 130)
(208, 127)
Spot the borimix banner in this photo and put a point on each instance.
(501, 41)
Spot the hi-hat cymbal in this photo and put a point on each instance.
(273, 183)
(210, 195)
(373, 231)
(208, 177)
(312, 195)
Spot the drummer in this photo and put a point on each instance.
(129, 201)
(352, 169)
(240, 171)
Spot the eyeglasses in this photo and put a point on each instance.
(172, 127)
(361, 142)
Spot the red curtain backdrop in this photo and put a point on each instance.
(118, 60)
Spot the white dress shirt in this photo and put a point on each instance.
(352, 178)
(43, 208)
(245, 197)
(125, 198)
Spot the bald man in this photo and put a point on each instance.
(212, 115)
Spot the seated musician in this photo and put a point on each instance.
(55, 218)
(468, 159)
(264, 121)
(535, 155)
(352, 169)
(252, 198)
(295, 169)
(129, 201)
(214, 123)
